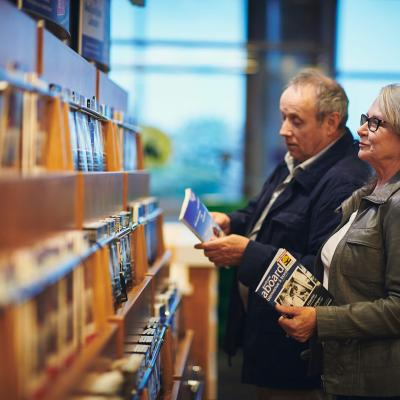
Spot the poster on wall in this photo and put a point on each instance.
(95, 44)
(55, 12)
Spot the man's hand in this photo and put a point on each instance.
(223, 221)
(300, 323)
(227, 250)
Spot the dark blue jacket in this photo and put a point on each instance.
(300, 220)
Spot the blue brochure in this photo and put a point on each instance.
(195, 216)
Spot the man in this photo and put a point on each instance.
(296, 210)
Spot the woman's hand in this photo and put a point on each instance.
(300, 323)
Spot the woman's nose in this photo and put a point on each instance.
(363, 129)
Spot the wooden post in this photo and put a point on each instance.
(105, 281)
(103, 307)
(69, 166)
(139, 152)
(167, 362)
(144, 395)
(160, 236)
(109, 143)
(139, 253)
(56, 155)
(8, 356)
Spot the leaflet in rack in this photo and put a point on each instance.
(289, 283)
(196, 217)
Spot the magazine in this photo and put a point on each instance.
(195, 216)
(289, 283)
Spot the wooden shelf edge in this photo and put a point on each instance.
(133, 297)
(159, 263)
(173, 395)
(182, 356)
(68, 378)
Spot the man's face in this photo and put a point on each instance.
(304, 135)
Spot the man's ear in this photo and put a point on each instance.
(332, 121)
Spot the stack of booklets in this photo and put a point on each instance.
(144, 211)
(137, 374)
(11, 106)
(121, 263)
(129, 150)
(26, 129)
(287, 282)
(58, 318)
(86, 136)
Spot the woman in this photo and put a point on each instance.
(360, 335)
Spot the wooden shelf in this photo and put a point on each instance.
(70, 71)
(133, 296)
(100, 194)
(108, 92)
(51, 196)
(19, 293)
(36, 207)
(18, 38)
(159, 271)
(152, 363)
(183, 352)
(68, 379)
(159, 264)
(136, 184)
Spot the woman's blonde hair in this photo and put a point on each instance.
(389, 104)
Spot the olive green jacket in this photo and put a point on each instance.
(360, 335)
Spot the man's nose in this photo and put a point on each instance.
(285, 129)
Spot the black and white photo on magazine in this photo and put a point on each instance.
(297, 288)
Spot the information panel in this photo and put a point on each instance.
(56, 12)
(96, 31)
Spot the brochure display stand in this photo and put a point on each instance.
(86, 305)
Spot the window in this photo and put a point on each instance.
(183, 64)
(367, 56)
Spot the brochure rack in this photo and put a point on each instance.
(40, 204)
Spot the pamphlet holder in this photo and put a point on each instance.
(59, 152)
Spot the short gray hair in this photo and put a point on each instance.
(389, 104)
(331, 96)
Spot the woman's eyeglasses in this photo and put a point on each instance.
(373, 122)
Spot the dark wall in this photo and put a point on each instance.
(283, 37)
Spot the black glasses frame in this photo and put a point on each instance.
(373, 122)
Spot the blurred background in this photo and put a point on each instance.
(204, 80)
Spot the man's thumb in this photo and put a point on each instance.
(286, 310)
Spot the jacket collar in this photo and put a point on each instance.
(382, 194)
(379, 196)
(311, 175)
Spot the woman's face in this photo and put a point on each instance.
(379, 147)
